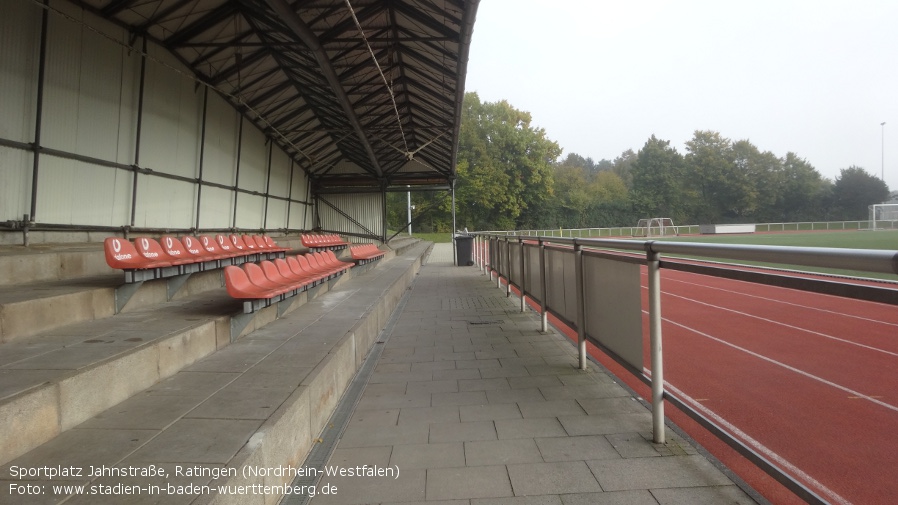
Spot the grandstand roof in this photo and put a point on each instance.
(305, 72)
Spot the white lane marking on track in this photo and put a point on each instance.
(783, 302)
(787, 367)
(824, 335)
(758, 446)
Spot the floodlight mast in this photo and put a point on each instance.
(883, 125)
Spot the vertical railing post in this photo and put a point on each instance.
(544, 290)
(523, 296)
(507, 267)
(581, 307)
(654, 270)
(474, 250)
(498, 266)
(482, 254)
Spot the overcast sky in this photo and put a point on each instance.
(601, 76)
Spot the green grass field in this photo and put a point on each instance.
(434, 237)
(842, 239)
(887, 240)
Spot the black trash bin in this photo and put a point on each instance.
(464, 250)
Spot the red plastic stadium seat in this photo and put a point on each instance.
(272, 244)
(174, 248)
(301, 278)
(237, 243)
(225, 245)
(239, 286)
(299, 269)
(337, 261)
(194, 246)
(151, 250)
(122, 254)
(321, 273)
(365, 252)
(257, 276)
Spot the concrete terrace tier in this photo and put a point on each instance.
(257, 403)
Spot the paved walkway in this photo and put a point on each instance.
(472, 405)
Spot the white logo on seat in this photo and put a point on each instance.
(116, 245)
(145, 243)
(188, 242)
(168, 242)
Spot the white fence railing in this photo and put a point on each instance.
(635, 231)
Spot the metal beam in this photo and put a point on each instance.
(301, 30)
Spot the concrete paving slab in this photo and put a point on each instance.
(655, 473)
(552, 478)
(430, 415)
(468, 482)
(638, 497)
(730, 495)
(356, 436)
(551, 408)
(431, 455)
(143, 412)
(576, 448)
(198, 441)
(502, 452)
(529, 428)
(464, 398)
(470, 413)
(462, 432)
(458, 374)
(234, 402)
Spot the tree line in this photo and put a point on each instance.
(510, 176)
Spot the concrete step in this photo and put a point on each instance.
(55, 379)
(21, 265)
(30, 309)
(50, 262)
(43, 288)
(257, 404)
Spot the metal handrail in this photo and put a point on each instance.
(867, 260)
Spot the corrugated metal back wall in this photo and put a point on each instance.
(90, 112)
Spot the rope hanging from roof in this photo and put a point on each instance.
(382, 76)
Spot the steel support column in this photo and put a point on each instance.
(581, 306)
(654, 272)
(523, 296)
(454, 246)
(39, 110)
(544, 291)
(140, 97)
(237, 171)
(267, 185)
(507, 267)
(199, 181)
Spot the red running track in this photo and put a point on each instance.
(809, 381)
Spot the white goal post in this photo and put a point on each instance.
(655, 227)
(884, 216)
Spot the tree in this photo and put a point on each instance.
(854, 191)
(505, 165)
(621, 166)
(657, 175)
(572, 195)
(763, 174)
(803, 191)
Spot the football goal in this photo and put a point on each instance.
(884, 216)
(655, 227)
